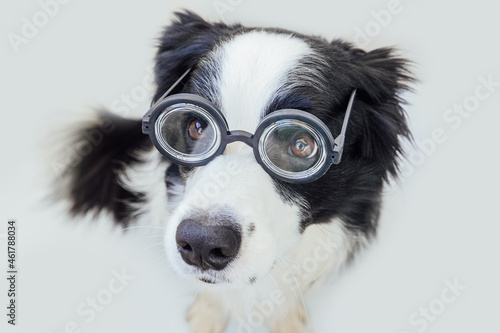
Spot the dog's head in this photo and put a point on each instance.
(231, 221)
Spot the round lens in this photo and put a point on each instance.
(292, 149)
(187, 132)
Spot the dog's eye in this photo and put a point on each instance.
(195, 128)
(303, 146)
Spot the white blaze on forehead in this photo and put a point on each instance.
(253, 68)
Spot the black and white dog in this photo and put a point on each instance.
(253, 241)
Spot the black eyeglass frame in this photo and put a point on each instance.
(333, 147)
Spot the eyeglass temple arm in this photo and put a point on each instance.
(339, 140)
(176, 83)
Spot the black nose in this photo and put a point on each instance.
(207, 246)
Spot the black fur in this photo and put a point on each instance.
(93, 181)
(183, 44)
(352, 189)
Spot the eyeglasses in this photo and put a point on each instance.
(291, 145)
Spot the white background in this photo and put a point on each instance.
(440, 224)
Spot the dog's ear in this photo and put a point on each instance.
(100, 151)
(182, 44)
(382, 77)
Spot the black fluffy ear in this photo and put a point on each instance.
(99, 152)
(382, 78)
(183, 44)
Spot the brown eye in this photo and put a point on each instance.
(303, 146)
(195, 129)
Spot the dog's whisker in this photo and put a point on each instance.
(283, 274)
(301, 296)
(297, 264)
(144, 226)
(278, 286)
(297, 298)
(147, 237)
(151, 246)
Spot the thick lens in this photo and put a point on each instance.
(292, 149)
(187, 132)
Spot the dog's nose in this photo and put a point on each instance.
(207, 246)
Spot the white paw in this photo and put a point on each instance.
(294, 322)
(206, 315)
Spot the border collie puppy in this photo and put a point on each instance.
(241, 164)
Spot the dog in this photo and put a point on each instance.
(252, 237)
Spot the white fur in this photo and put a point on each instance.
(253, 69)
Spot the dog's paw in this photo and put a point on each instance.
(291, 325)
(206, 315)
(293, 322)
